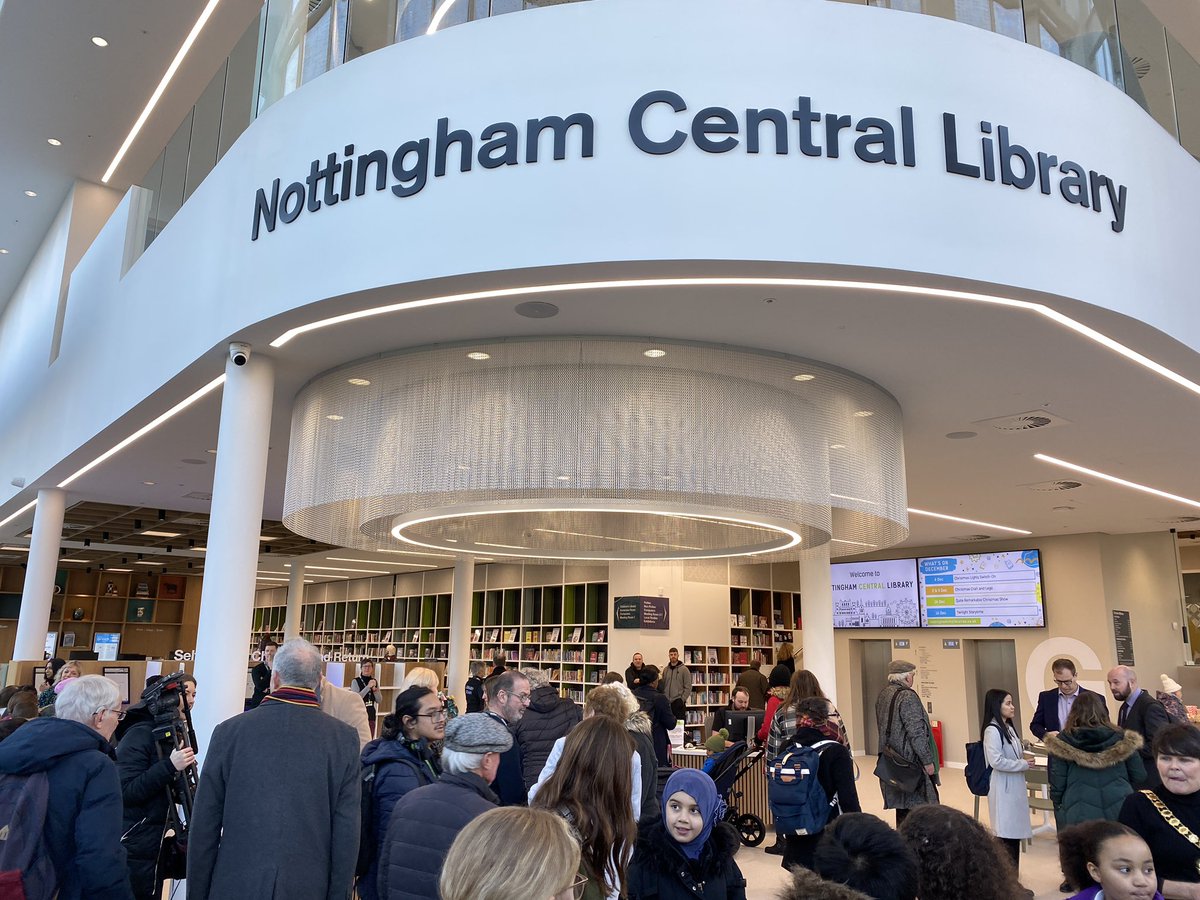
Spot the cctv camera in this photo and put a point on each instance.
(239, 353)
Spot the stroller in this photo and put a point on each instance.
(728, 768)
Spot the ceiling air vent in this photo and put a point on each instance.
(1025, 421)
(1053, 487)
(1178, 520)
(967, 538)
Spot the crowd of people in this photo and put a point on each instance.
(527, 797)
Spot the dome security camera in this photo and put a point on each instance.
(239, 353)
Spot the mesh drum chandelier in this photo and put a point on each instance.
(597, 448)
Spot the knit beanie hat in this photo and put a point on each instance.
(716, 743)
(779, 677)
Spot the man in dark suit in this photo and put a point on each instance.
(1141, 713)
(1054, 705)
(260, 675)
(277, 808)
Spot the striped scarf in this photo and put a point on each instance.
(297, 696)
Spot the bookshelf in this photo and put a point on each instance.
(710, 687)
(561, 629)
(154, 614)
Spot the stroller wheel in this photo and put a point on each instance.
(751, 829)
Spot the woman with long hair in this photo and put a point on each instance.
(1008, 798)
(512, 853)
(402, 761)
(804, 684)
(1093, 764)
(591, 788)
(957, 858)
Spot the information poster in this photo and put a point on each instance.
(880, 594)
(982, 590)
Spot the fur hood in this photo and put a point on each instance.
(639, 722)
(780, 692)
(1092, 749)
(808, 885)
(658, 851)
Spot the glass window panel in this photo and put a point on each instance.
(1083, 31)
(372, 26)
(283, 49)
(1185, 79)
(1000, 16)
(206, 131)
(318, 40)
(238, 104)
(175, 160)
(153, 183)
(499, 7)
(1144, 61)
(414, 18)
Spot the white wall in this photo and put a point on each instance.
(203, 280)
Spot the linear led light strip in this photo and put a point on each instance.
(922, 512)
(162, 86)
(1115, 480)
(117, 448)
(835, 284)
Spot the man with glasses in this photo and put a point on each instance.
(508, 697)
(1054, 705)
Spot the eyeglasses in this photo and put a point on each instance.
(578, 885)
(524, 698)
(1062, 682)
(438, 715)
(119, 713)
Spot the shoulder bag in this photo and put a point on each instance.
(893, 768)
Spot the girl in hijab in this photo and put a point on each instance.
(688, 853)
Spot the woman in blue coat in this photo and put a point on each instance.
(403, 761)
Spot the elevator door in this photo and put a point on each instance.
(996, 667)
(875, 658)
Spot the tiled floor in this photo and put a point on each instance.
(1039, 865)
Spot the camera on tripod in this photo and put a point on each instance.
(165, 703)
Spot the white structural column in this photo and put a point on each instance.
(458, 658)
(34, 617)
(816, 605)
(295, 600)
(231, 563)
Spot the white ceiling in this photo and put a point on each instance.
(986, 362)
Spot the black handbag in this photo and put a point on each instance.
(894, 769)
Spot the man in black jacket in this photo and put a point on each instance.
(260, 675)
(549, 717)
(508, 697)
(1141, 713)
(146, 777)
(656, 706)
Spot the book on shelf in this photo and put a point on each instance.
(599, 636)
(510, 635)
(576, 634)
(476, 635)
(553, 637)
(532, 637)
(712, 657)
(494, 635)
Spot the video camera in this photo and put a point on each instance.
(172, 730)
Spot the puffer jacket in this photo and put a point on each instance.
(83, 818)
(660, 871)
(424, 825)
(1092, 771)
(548, 718)
(403, 766)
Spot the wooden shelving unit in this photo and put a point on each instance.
(153, 614)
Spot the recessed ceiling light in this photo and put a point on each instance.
(479, 355)
(3, 251)
(962, 435)
(654, 354)
(837, 446)
(99, 41)
(160, 534)
(358, 382)
(863, 413)
(933, 515)
(12, 547)
(72, 559)
(213, 452)
(334, 418)
(31, 193)
(267, 537)
(54, 142)
(562, 477)
(119, 570)
(803, 376)
(148, 483)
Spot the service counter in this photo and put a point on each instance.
(753, 784)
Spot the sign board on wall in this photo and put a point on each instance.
(1123, 637)
(642, 612)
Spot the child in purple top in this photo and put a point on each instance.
(1109, 861)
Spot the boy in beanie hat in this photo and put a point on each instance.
(715, 746)
(426, 820)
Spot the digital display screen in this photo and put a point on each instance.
(981, 590)
(877, 594)
(106, 645)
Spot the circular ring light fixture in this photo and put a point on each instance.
(588, 449)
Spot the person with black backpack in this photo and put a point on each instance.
(60, 800)
(834, 779)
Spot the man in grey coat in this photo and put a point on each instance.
(277, 808)
(910, 735)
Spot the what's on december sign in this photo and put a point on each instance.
(993, 155)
